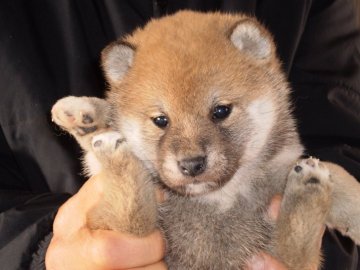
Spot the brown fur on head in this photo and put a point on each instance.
(188, 76)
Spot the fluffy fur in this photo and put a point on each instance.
(228, 145)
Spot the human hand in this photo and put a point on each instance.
(75, 246)
(264, 262)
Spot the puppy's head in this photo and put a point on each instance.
(198, 97)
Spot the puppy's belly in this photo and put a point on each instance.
(198, 237)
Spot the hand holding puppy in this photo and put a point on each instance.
(75, 246)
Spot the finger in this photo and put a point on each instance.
(160, 195)
(157, 266)
(274, 208)
(64, 223)
(94, 186)
(113, 250)
(264, 262)
(71, 216)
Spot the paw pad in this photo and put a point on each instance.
(97, 143)
(309, 163)
(310, 171)
(75, 114)
(312, 162)
(309, 179)
(312, 180)
(298, 168)
(86, 119)
(107, 142)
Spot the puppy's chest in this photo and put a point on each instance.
(201, 237)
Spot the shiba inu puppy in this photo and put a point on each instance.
(198, 106)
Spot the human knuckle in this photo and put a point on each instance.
(59, 222)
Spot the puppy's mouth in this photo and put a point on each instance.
(196, 186)
(217, 171)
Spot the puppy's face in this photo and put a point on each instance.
(194, 141)
(196, 104)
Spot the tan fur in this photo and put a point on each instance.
(166, 65)
(303, 215)
(128, 203)
(183, 67)
(131, 197)
(344, 213)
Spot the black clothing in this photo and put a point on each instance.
(50, 49)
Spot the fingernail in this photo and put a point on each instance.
(256, 263)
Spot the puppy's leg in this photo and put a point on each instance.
(128, 203)
(303, 212)
(344, 213)
(84, 117)
(128, 199)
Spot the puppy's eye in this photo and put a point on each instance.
(221, 112)
(161, 121)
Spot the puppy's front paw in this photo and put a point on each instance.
(79, 115)
(309, 176)
(309, 190)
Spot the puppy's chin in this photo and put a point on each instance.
(216, 175)
(197, 189)
(194, 187)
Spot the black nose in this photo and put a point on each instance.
(192, 166)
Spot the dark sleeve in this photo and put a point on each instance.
(25, 218)
(325, 76)
(48, 49)
(26, 227)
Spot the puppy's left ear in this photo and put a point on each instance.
(252, 39)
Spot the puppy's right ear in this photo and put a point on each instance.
(251, 38)
(116, 59)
